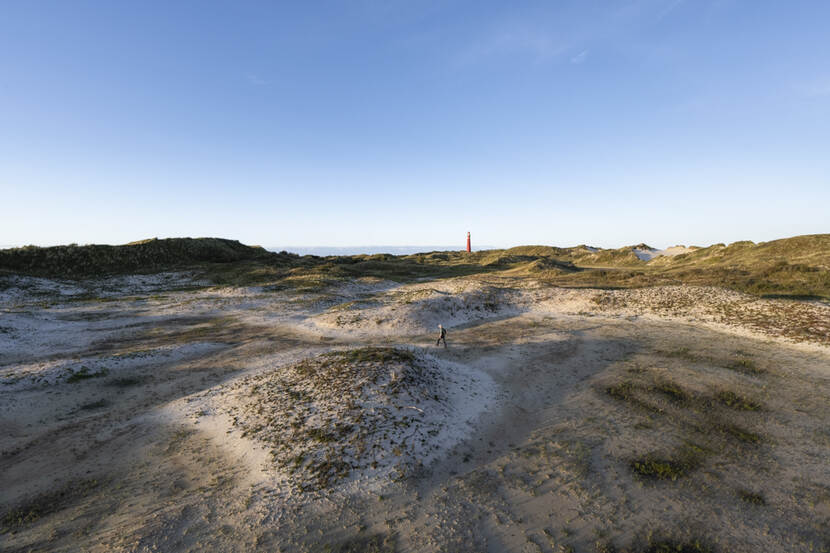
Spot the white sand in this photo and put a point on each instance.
(652, 253)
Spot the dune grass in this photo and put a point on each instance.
(797, 267)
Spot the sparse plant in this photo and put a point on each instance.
(127, 381)
(683, 461)
(749, 496)
(677, 546)
(38, 507)
(84, 373)
(661, 469)
(672, 391)
(738, 433)
(745, 366)
(94, 405)
(736, 401)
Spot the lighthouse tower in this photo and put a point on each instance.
(468, 241)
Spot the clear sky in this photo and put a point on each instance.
(396, 122)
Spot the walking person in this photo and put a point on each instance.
(442, 336)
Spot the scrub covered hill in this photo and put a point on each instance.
(791, 267)
(143, 256)
(797, 266)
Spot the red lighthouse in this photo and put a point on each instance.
(468, 241)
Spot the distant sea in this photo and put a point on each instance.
(369, 250)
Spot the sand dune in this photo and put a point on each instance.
(146, 415)
(647, 254)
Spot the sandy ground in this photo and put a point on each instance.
(153, 413)
(647, 254)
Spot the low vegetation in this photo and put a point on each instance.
(711, 423)
(749, 496)
(659, 544)
(45, 504)
(378, 543)
(328, 416)
(736, 401)
(144, 256)
(672, 546)
(669, 467)
(797, 267)
(85, 373)
(745, 366)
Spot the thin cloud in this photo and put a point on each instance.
(549, 38)
(255, 79)
(537, 46)
(580, 57)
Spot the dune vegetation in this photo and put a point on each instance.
(797, 267)
(204, 395)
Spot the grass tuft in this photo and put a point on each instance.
(623, 391)
(321, 435)
(673, 546)
(660, 469)
(735, 401)
(94, 405)
(656, 467)
(84, 373)
(745, 366)
(672, 391)
(740, 434)
(749, 496)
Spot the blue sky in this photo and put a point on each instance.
(395, 122)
